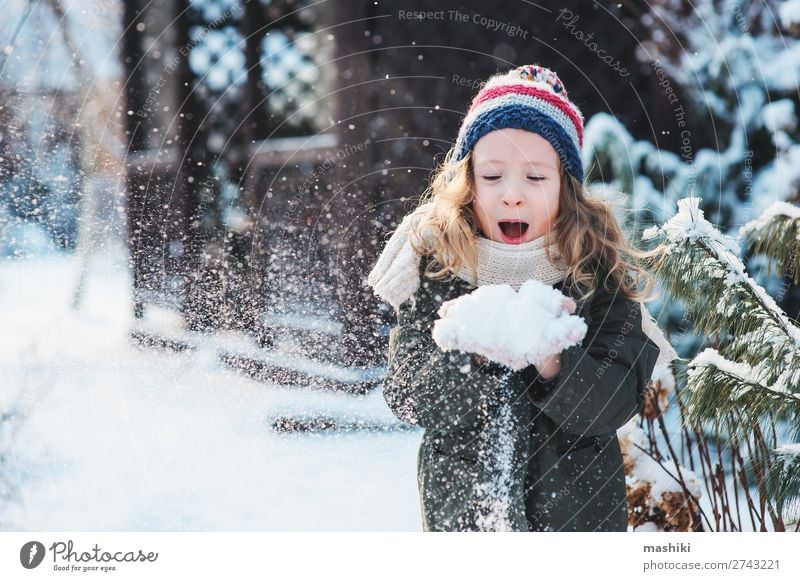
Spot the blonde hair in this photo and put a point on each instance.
(586, 233)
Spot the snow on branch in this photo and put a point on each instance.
(792, 451)
(783, 478)
(776, 234)
(732, 396)
(749, 377)
(739, 297)
(690, 225)
(757, 369)
(777, 210)
(660, 497)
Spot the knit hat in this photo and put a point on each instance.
(529, 97)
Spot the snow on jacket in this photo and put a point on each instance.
(567, 465)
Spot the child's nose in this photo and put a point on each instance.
(511, 198)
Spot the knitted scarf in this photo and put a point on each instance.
(395, 276)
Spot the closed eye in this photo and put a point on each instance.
(495, 178)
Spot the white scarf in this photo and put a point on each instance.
(395, 276)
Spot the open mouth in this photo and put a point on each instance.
(513, 231)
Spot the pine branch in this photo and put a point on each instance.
(776, 235)
(701, 263)
(717, 387)
(753, 347)
(783, 478)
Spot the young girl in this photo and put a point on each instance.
(509, 205)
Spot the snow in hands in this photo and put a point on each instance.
(513, 328)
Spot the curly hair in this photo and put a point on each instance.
(586, 234)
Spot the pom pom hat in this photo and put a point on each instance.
(529, 97)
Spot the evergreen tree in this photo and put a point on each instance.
(747, 388)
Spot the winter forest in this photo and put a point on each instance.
(193, 192)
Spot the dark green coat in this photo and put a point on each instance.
(567, 465)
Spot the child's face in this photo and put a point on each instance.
(517, 185)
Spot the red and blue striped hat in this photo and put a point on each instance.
(529, 97)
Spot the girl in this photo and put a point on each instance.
(507, 205)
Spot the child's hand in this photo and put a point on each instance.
(550, 366)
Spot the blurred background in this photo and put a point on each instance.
(193, 191)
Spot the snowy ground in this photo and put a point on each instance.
(121, 438)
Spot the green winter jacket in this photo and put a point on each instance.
(566, 463)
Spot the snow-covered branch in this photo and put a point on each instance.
(783, 479)
(743, 379)
(757, 369)
(701, 262)
(776, 234)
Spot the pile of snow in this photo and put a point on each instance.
(655, 494)
(120, 438)
(661, 476)
(516, 329)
